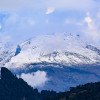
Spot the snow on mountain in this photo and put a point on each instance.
(6, 53)
(56, 48)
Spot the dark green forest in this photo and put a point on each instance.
(13, 88)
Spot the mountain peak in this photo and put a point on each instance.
(6, 74)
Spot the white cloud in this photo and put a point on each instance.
(36, 79)
(50, 10)
(91, 31)
(88, 20)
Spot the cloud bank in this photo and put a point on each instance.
(36, 79)
(24, 19)
(13, 5)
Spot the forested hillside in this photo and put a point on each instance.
(13, 88)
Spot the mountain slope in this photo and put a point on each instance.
(7, 51)
(64, 49)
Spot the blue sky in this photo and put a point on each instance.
(24, 19)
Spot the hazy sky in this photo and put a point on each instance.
(24, 19)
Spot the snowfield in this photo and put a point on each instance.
(56, 48)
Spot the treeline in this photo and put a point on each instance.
(12, 88)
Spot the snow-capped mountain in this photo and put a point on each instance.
(65, 49)
(53, 62)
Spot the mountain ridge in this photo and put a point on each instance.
(57, 60)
